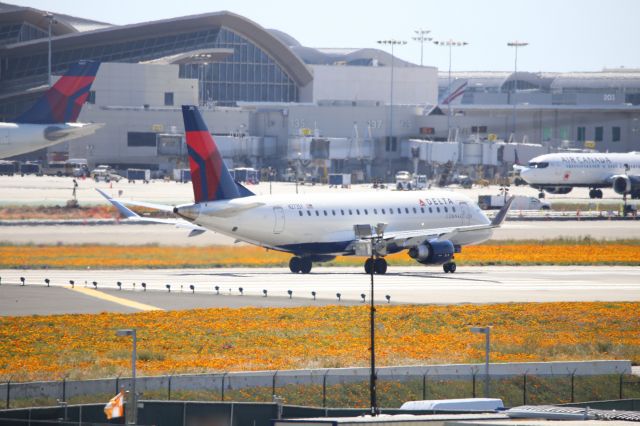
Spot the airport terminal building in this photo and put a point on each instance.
(272, 102)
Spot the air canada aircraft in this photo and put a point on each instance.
(52, 119)
(432, 226)
(559, 173)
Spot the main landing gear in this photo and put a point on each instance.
(449, 267)
(300, 264)
(379, 266)
(595, 193)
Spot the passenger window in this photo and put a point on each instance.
(399, 210)
(446, 210)
(390, 211)
(358, 211)
(430, 210)
(325, 213)
(375, 211)
(453, 209)
(342, 212)
(414, 210)
(366, 211)
(406, 210)
(300, 212)
(438, 209)
(317, 212)
(421, 209)
(308, 212)
(383, 212)
(333, 212)
(350, 212)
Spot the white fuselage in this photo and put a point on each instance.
(19, 138)
(324, 223)
(581, 169)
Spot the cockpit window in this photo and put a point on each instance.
(538, 165)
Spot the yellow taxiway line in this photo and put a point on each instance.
(119, 300)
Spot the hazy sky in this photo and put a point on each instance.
(563, 35)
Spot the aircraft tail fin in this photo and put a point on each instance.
(454, 96)
(209, 175)
(63, 101)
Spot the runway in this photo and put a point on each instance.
(416, 285)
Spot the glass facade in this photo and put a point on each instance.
(250, 74)
(17, 32)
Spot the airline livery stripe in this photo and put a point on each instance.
(202, 174)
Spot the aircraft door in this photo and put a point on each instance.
(278, 225)
(465, 213)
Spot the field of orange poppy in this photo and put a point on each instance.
(215, 340)
(554, 252)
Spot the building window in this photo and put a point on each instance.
(391, 144)
(168, 98)
(91, 98)
(141, 139)
(599, 133)
(615, 134)
(581, 134)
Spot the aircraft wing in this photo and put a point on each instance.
(415, 237)
(133, 216)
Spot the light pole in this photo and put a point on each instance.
(391, 43)
(515, 45)
(133, 413)
(52, 21)
(487, 332)
(421, 36)
(450, 44)
(374, 234)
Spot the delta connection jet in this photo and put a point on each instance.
(559, 173)
(51, 119)
(432, 225)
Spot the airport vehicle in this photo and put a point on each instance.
(52, 119)
(559, 173)
(520, 202)
(403, 181)
(105, 173)
(431, 225)
(75, 167)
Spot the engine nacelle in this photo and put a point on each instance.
(622, 184)
(433, 252)
(558, 189)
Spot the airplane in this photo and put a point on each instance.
(559, 173)
(52, 119)
(432, 225)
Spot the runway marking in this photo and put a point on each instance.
(117, 300)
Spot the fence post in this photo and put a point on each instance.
(473, 380)
(273, 384)
(222, 386)
(117, 385)
(573, 378)
(424, 386)
(621, 383)
(64, 389)
(169, 387)
(8, 392)
(524, 389)
(324, 389)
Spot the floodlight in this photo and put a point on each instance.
(217, 288)
(192, 288)
(388, 297)
(168, 286)
(73, 283)
(144, 286)
(313, 293)
(241, 290)
(338, 295)
(364, 297)
(119, 284)
(22, 279)
(264, 291)
(290, 293)
(46, 280)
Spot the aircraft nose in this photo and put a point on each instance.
(189, 211)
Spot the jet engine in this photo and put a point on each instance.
(624, 184)
(434, 252)
(558, 189)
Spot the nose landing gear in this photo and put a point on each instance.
(449, 267)
(300, 264)
(379, 266)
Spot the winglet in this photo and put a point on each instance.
(502, 214)
(124, 211)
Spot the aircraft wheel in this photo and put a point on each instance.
(380, 266)
(449, 267)
(598, 193)
(541, 194)
(592, 193)
(305, 265)
(368, 265)
(295, 264)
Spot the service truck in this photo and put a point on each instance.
(521, 202)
